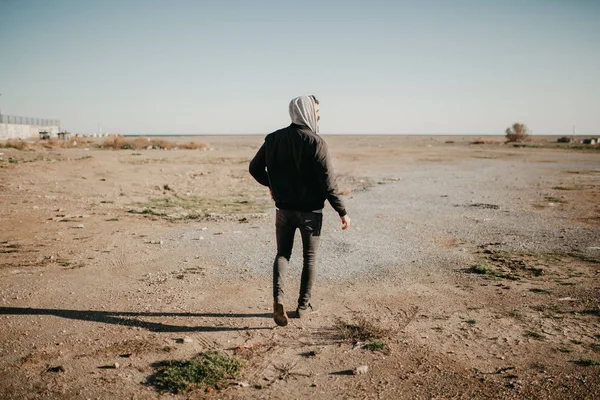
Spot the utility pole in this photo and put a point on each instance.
(573, 133)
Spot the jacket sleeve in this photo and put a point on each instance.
(326, 177)
(258, 167)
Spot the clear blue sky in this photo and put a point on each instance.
(231, 66)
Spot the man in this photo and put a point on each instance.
(294, 163)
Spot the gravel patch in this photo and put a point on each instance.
(433, 217)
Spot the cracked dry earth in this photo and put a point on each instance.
(481, 263)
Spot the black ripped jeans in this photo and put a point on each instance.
(286, 223)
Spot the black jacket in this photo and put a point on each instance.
(295, 164)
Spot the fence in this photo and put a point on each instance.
(12, 119)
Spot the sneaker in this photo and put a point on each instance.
(279, 314)
(306, 312)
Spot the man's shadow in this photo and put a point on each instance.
(131, 318)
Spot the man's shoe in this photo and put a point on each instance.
(306, 312)
(279, 314)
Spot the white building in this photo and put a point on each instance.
(12, 127)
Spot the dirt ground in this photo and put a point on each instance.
(138, 256)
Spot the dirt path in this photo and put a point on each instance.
(477, 266)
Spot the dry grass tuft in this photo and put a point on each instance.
(162, 144)
(361, 330)
(78, 142)
(141, 143)
(50, 144)
(195, 146)
(121, 143)
(15, 144)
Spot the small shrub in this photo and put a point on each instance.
(122, 143)
(515, 315)
(148, 211)
(375, 345)
(206, 369)
(163, 144)
(588, 362)
(482, 269)
(518, 132)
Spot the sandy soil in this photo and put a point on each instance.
(116, 256)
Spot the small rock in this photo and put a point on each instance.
(80, 226)
(243, 384)
(116, 365)
(59, 368)
(363, 369)
(185, 339)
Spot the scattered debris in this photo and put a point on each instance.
(363, 369)
(110, 366)
(247, 346)
(567, 299)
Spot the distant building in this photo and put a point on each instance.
(13, 127)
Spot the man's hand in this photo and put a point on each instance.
(345, 222)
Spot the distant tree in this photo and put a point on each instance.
(518, 132)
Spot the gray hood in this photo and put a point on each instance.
(303, 112)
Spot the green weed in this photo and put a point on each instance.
(587, 362)
(375, 345)
(206, 369)
(538, 290)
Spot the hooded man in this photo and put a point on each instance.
(295, 164)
